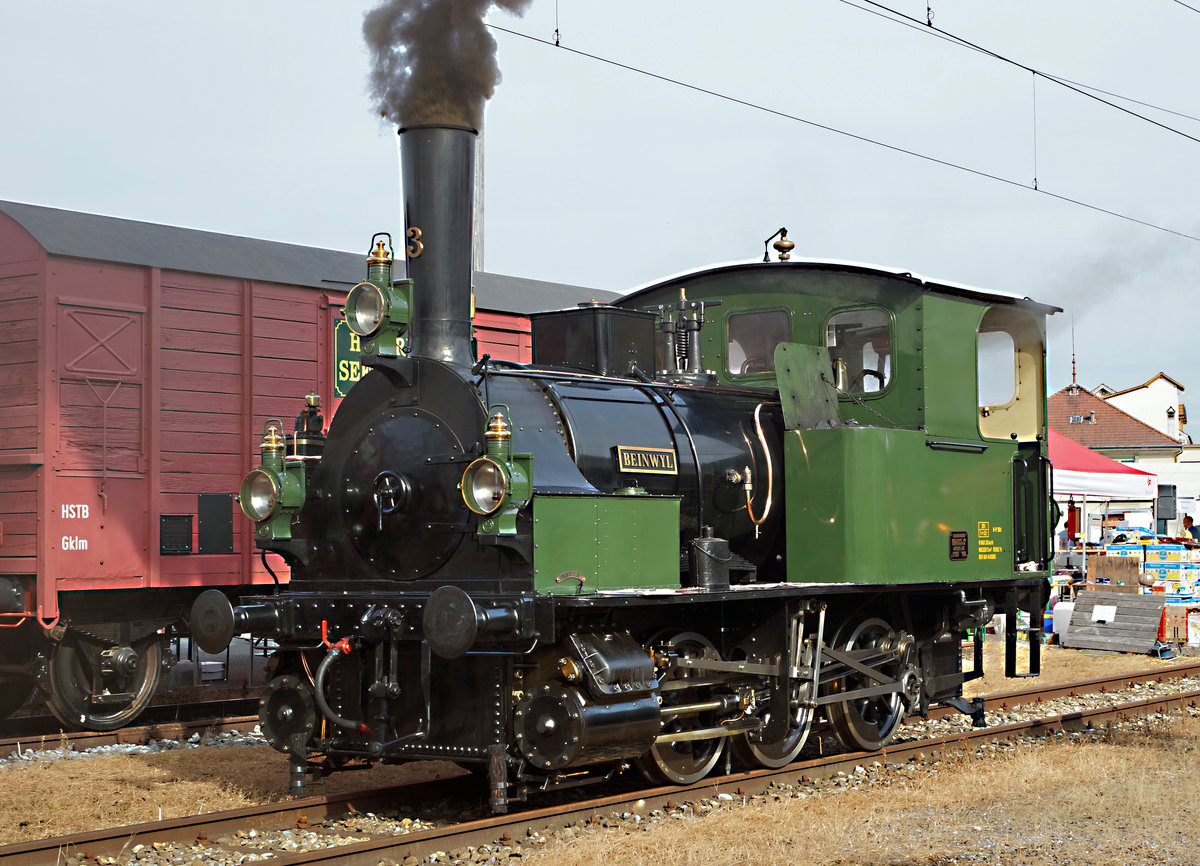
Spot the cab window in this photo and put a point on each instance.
(997, 368)
(860, 349)
(1009, 375)
(753, 338)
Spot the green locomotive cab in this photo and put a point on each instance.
(914, 414)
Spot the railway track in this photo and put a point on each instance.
(164, 722)
(1114, 682)
(180, 721)
(333, 822)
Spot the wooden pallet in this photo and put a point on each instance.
(1115, 621)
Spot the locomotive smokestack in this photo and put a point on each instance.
(438, 172)
(434, 62)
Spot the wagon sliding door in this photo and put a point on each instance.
(97, 499)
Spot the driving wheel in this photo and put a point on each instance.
(865, 724)
(752, 751)
(682, 762)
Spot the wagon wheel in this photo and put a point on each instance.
(866, 724)
(95, 687)
(684, 762)
(15, 689)
(750, 750)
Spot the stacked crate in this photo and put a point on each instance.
(1175, 569)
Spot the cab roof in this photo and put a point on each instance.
(834, 265)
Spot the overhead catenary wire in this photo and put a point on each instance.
(1186, 6)
(1082, 90)
(833, 129)
(1091, 87)
(930, 30)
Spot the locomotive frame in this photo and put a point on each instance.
(704, 515)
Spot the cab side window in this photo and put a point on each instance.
(997, 368)
(860, 349)
(1009, 375)
(753, 338)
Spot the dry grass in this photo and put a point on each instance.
(1121, 802)
(55, 798)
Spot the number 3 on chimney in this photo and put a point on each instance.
(414, 247)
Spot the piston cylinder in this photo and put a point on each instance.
(557, 727)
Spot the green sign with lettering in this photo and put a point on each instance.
(347, 348)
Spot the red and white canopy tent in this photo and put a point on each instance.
(1080, 471)
(1082, 474)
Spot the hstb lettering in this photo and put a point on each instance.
(74, 512)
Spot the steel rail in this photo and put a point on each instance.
(312, 810)
(153, 715)
(113, 841)
(1113, 682)
(174, 723)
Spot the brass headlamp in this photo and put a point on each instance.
(378, 309)
(273, 492)
(500, 483)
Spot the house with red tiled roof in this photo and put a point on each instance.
(1096, 422)
(1080, 415)
(1158, 403)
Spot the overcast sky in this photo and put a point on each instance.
(251, 117)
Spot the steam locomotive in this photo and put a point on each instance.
(706, 515)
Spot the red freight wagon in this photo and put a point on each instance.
(139, 367)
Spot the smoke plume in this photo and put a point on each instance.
(434, 61)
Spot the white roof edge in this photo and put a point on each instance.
(897, 272)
